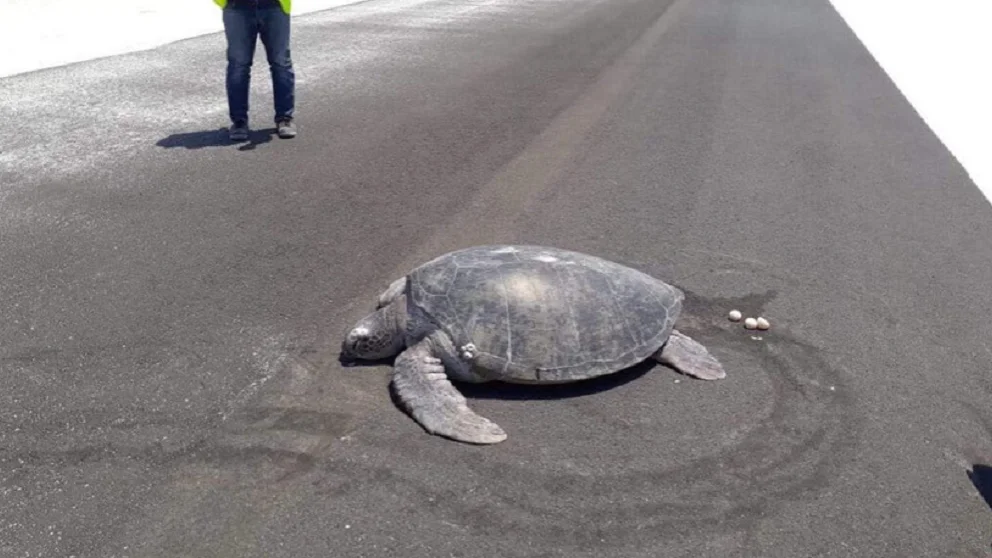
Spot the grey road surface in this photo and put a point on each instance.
(171, 306)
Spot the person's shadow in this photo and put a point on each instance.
(981, 477)
(216, 138)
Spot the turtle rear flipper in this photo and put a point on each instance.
(425, 392)
(689, 357)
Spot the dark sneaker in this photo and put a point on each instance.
(286, 129)
(239, 131)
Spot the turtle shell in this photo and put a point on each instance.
(544, 315)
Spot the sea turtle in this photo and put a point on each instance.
(519, 314)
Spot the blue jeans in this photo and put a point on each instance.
(243, 26)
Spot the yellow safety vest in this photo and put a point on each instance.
(286, 4)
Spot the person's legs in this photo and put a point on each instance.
(275, 33)
(241, 29)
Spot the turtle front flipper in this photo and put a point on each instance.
(689, 357)
(425, 392)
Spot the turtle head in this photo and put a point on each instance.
(376, 336)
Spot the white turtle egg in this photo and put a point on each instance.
(762, 323)
(750, 323)
(735, 315)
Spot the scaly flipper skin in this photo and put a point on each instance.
(425, 392)
(689, 357)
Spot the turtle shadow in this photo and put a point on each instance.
(981, 477)
(523, 392)
(537, 392)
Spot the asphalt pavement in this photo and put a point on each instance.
(172, 305)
